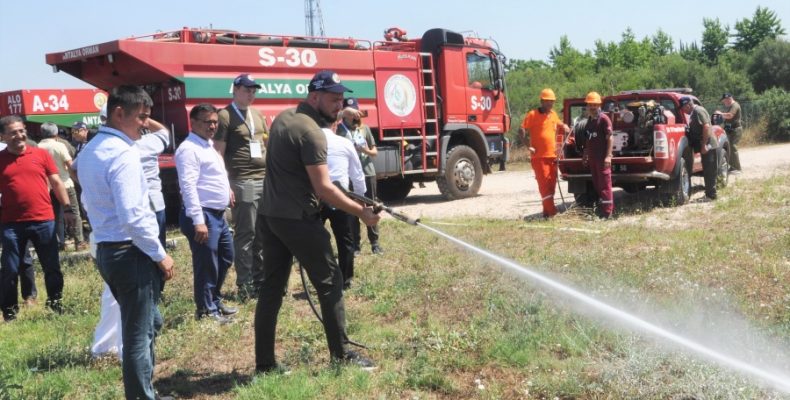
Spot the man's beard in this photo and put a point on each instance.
(326, 119)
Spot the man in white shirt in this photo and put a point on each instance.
(205, 191)
(344, 166)
(130, 257)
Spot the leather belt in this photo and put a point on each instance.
(115, 245)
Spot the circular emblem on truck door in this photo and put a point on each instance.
(400, 95)
(99, 100)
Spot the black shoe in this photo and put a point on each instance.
(347, 285)
(376, 249)
(56, 306)
(226, 310)
(354, 358)
(275, 369)
(217, 317)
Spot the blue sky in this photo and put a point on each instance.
(525, 30)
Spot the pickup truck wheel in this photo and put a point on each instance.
(463, 174)
(393, 189)
(723, 170)
(679, 186)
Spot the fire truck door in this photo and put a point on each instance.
(485, 107)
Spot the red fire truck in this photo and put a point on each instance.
(61, 106)
(435, 104)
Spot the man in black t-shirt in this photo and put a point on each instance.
(289, 223)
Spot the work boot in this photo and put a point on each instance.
(55, 305)
(376, 249)
(353, 358)
(215, 316)
(226, 310)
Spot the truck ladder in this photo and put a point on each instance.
(430, 132)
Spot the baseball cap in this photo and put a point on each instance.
(327, 81)
(79, 125)
(685, 100)
(726, 96)
(245, 80)
(351, 102)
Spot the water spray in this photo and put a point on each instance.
(775, 380)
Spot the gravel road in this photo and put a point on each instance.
(513, 194)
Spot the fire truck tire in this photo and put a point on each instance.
(463, 174)
(679, 187)
(723, 170)
(393, 189)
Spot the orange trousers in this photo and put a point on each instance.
(546, 175)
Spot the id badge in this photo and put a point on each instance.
(255, 150)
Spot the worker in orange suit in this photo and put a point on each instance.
(542, 124)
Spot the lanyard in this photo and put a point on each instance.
(251, 126)
(349, 135)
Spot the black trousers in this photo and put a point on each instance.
(341, 222)
(710, 164)
(373, 231)
(308, 241)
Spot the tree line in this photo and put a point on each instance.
(749, 60)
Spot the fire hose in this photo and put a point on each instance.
(377, 208)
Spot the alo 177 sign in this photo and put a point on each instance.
(66, 101)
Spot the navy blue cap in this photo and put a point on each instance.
(245, 80)
(327, 81)
(726, 96)
(351, 102)
(685, 100)
(79, 125)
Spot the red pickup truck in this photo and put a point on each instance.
(651, 146)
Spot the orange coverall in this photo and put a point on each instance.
(542, 128)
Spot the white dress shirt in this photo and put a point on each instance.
(115, 193)
(202, 177)
(343, 162)
(151, 145)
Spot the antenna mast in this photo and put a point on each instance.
(314, 21)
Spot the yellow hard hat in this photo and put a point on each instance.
(547, 94)
(593, 98)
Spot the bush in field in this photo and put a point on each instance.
(775, 104)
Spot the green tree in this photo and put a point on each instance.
(569, 61)
(714, 39)
(690, 52)
(749, 33)
(662, 43)
(634, 53)
(769, 66)
(775, 104)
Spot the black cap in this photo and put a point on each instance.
(726, 96)
(327, 81)
(685, 100)
(79, 125)
(245, 80)
(351, 102)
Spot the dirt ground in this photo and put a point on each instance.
(514, 194)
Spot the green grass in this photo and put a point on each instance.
(442, 323)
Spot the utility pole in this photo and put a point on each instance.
(314, 22)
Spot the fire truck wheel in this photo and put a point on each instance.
(679, 187)
(463, 174)
(393, 189)
(723, 172)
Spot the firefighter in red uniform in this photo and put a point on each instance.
(598, 152)
(542, 124)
